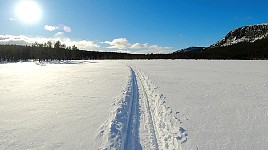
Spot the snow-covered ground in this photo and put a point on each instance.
(57, 106)
(139, 104)
(222, 104)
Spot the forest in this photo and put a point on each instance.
(58, 51)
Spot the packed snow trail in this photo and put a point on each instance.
(132, 136)
(149, 122)
(141, 120)
(160, 123)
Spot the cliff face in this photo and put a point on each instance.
(244, 34)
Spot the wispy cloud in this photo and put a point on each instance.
(122, 44)
(59, 34)
(59, 27)
(12, 19)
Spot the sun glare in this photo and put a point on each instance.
(28, 11)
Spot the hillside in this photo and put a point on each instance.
(244, 34)
(249, 42)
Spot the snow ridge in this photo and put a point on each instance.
(141, 115)
(168, 132)
(120, 131)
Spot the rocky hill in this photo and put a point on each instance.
(244, 34)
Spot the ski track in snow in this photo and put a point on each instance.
(132, 139)
(141, 120)
(58, 105)
(150, 124)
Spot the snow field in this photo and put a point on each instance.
(138, 104)
(57, 105)
(222, 104)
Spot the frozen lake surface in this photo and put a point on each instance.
(222, 104)
(138, 104)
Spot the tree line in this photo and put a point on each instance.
(58, 51)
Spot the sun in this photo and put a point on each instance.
(28, 11)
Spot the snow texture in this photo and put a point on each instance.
(222, 104)
(141, 120)
(57, 105)
(138, 104)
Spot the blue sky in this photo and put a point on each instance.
(137, 26)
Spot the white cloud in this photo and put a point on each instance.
(122, 44)
(84, 44)
(50, 28)
(19, 40)
(24, 40)
(118, 45)
(138, 45)
(59, 27)
(155, 49)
